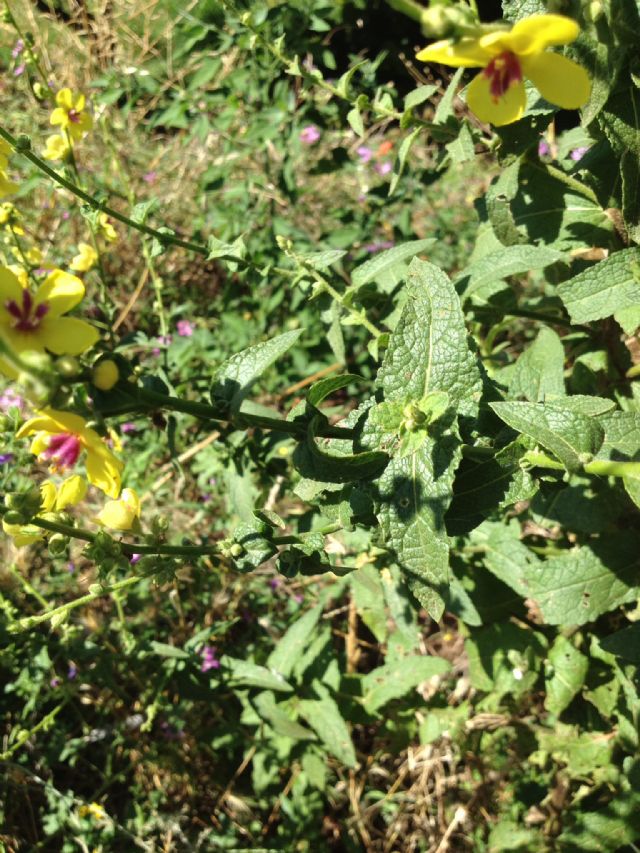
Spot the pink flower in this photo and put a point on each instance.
(17, 48)
(10, 400)
(383, 168)
(128, 427)
(578, 153)
(309, 134)
(364, 153)
(543, 148)
(380, 246)
(150, 177)
(185, 328)
(209, 659)
(19, 69)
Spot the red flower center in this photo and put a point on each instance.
(27, 316)
(63, 451)
(502, 71)
(74, 116)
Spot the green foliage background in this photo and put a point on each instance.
(425, 628)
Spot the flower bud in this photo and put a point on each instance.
(23, 142)
(58, 544)
(14, 516)
(105, 374)
(67, 366)
(36, 360)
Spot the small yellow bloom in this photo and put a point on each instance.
(85, 259)
(5, 152)
(93, 810)
(122, 514)
(70, 114)
(35, 322)
(105, 374)
(56, 148)
(108, 231)
(61, 438)
(7, 186)
(70, 492)
(497, 94)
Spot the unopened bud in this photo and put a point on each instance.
(23, 142)
(105, 374)
(67, 366)
(236, 550)
(58, 544)
(36, 360)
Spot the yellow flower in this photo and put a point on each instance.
(60, 439)
(105, 374)
(10, 215)
(35, 322)
(57, 147)
(85, 259)
(5, 151)
(122, 514)
(70, 114)
(497, 94)
(108, 231)
(93, 810)
(7, 186)
(70, 492)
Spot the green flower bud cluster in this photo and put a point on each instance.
(442, 20)
(22, 506)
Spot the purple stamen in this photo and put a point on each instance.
(27, 316)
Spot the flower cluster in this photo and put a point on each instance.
(73, 120)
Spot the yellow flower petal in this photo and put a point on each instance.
(560, 80)
(53, 421)
(105, 374)
(59, 116)
(102, 473)
(23, 534)
(64, 99)
(80, 103)
(56, 148)
(71, 492)
(85, 259)
(62, 291)
(67, 335)
(504, 110)
(10, 287)
(536, 33)
(48, 492)
(467, 53)
(121, 514)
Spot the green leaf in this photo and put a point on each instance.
(462, 148)
(355, 121)
(291, 645)
(396, 679)
(383, 261)
(427, 352)
(324, 259)
(419, 96)
(539, 372)
(511, 260)
(345, 81)
(569, 672)
(605, 288)
(233, 379)
(319, 391)
(401, 160)
(324, 717)
(444, 110)
(570, 589)
(498, 205)
(278, 718)
(505, 658)
(243, 673)
(331, 460)
(368, 595)
(167, 651)
(624, 644)
(481, 488)
(571, 437)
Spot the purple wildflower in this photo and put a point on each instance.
(310, 134)
(135, 558)
(578, 153)
(72, 671)
(128, 427)
(298, 598)
(5, 457)
(9, 399)
(209, 659)
(150, 177)
(185, 328)
(274, 583)
(364, 153)
(65, 214)
(543, 148)
(19, 70)
(17, 48)
(55, 682)
(71, 567)
(383, 168)
(379, 246)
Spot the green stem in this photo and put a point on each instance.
(339, 298)
(28, 588)
(522, 312)
(29, 50)
(598, 467)
(244, 419)
(25, 734)
(96, 204)
(61, 611)
(407, 7)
